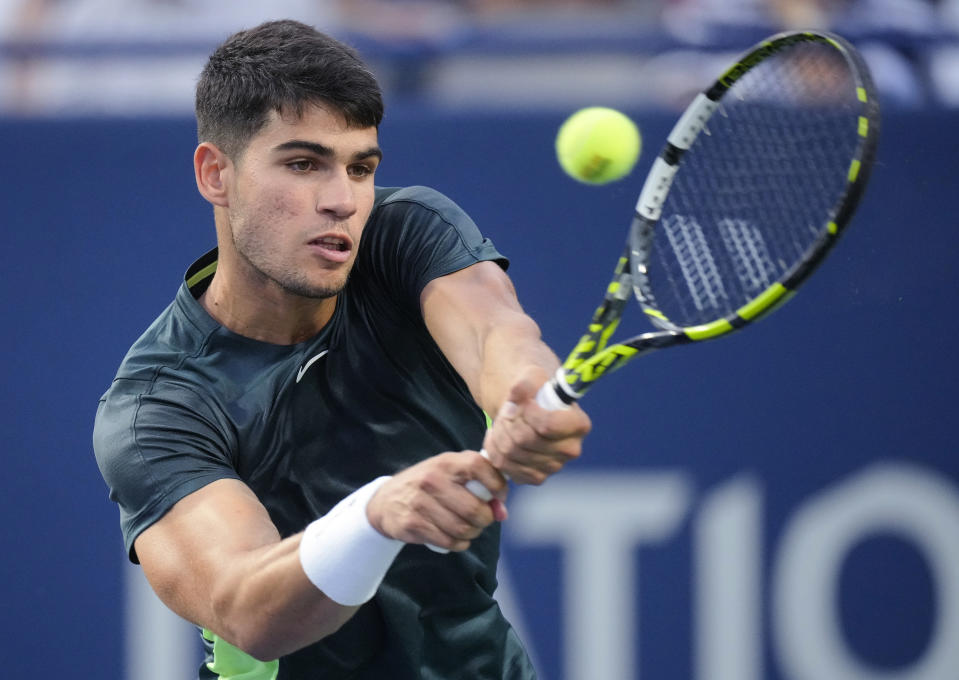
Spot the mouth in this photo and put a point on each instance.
(332, 247)
(333, 243)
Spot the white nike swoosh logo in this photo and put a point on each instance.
(300, 373)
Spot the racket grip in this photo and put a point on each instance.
(548, 395)
(478, 490)
(547, 398)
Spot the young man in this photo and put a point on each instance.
(303, 418)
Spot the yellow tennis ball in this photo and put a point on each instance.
(597, 145)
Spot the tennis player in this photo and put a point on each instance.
(292, 431)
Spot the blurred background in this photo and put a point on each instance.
(780, 505)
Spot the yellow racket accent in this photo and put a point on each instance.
(854, 169)
(655, 313)
(607, 332)
(708, 330)
(597, 365)
(766, 301)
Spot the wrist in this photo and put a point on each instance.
(343, 555)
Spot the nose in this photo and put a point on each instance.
(336, 196)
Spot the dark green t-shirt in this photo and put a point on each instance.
(304, 425)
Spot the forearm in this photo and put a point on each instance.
(265, 605)
(478, 323)
(510, 347)
(217, 559)
(306, 587)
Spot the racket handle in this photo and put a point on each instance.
(478, 490)
(548, 396)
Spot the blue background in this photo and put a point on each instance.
(100, 218)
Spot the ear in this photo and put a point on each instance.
(211, 167)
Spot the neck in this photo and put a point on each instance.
(267, 313)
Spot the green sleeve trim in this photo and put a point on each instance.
(230, 663)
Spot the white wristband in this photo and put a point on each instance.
(343, 555)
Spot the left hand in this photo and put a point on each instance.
(427, 502)
(528, 443)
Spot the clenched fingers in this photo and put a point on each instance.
(529, 443)
(429, 503)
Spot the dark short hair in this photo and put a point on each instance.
(281, 66)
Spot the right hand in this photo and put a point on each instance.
(530, 443)
(429, 502)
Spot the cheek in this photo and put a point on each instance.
(282, 199)
(269, 208)
(283, 205)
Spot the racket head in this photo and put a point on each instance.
(754, 186)
(756, 182)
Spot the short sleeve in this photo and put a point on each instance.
(156, 446)
(417, 234)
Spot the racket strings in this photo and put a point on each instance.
(756, 192)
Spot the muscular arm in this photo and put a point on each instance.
(476, 319)
(478, 323)
(217, 560)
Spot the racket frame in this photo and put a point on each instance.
(593, 356)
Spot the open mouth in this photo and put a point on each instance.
(332, 243)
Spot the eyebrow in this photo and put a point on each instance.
(324, 151)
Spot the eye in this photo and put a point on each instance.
(361, 170)
(302, 165)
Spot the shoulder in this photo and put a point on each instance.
(159, 369)
(179, 332)
(420, 221)
(417, 202)
(423, 196)
(161, 430)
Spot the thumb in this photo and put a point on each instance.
(525, 387)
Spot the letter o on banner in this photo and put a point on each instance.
(916, 504)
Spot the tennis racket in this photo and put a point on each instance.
(757, 181)
(755, 184)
